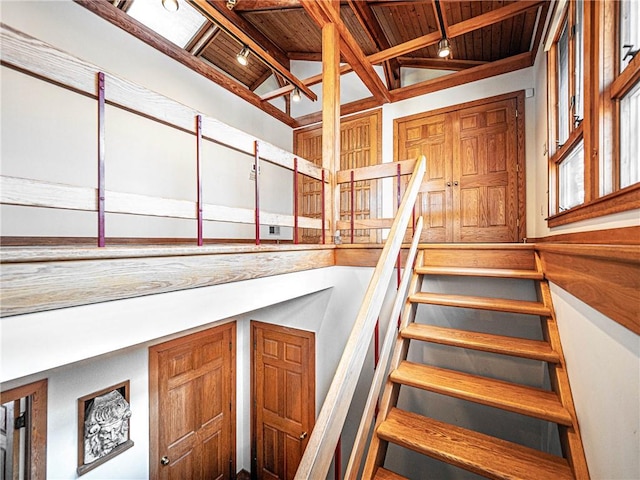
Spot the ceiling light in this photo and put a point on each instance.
(231, 4)
(170, 5)
(444, 49)
(295, 96)
(243, 56)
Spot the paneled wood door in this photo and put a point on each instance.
(474, 187)
(192, 406)
(283, 389)
(360, 139)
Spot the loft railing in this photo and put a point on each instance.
(29, 55)
(318, 455)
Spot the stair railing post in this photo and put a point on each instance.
(256, 166)
(101, 160)
(199, 177)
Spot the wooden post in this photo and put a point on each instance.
(256, 179)
(331, 121)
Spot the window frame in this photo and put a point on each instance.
(600, 128)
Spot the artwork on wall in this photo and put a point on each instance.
(103, 426)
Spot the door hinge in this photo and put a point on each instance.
(21, 421)
(517, 222)
(516, 113)
(230, 346)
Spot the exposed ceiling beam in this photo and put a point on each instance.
(202, 39)
(220, 19)
(119, 18)
(324, 12)
(261, 5)
(438, 63)
(489, 18)
(249, 30)
(261, 79)
(473, 74)
(372, 28)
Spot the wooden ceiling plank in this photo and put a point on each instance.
(324, 12)
(274, 50)
(372, 28)
(212, 13)
(489, 18)
(119, 18)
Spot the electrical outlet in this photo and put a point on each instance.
(274, 229)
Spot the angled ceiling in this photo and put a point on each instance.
(398, 37)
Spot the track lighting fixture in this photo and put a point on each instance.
(243, 56)
(231, 4)
(170, 5)
(444, 48)
(295, 96)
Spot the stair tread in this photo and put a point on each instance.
(513, 397)
(473, 451)
(384, 474)
(480, 272)
(483, 303)
(518, 347)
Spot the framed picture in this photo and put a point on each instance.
(103, 426)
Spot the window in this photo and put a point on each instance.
(594, 166)
(568, 97)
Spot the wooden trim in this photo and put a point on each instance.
(38, 432)
(605, 277)
(616, 236)
(616, 202)
(345, 110)
(439, 63)
(34, 280)
(469, 75)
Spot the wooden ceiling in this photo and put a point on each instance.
(487, 38)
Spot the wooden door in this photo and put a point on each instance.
(283, 389)
(308, 144)
(432, 137)
(192, 406)
(473, 190)
(360, 138)
(485, 175)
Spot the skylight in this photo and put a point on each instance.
(178, 27)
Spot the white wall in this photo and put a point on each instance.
(603, 361)
(49, 133)
(89, 348)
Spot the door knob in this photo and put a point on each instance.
(455, 184)
(303, 435)
(448, 184)
(165, 460)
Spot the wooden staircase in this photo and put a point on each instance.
(476, 451)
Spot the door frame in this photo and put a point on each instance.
(312, 400)
(521, 179)
(154, 393)
(36, 428)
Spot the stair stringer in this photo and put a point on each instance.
(570, 438)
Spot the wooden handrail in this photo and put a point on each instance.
(366, 421)
(317, 457)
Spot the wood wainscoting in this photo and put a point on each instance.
(601, 268)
